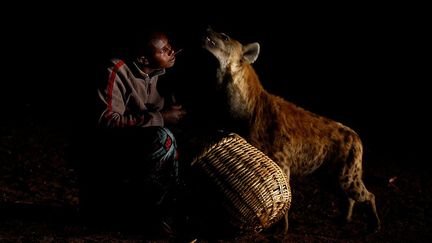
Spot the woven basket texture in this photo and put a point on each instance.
(256, 192)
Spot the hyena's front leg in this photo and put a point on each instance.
(286, 170)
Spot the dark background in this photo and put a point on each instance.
(362, 65)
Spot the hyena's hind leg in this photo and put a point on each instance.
(350, 179)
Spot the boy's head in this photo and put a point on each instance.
(154, 51)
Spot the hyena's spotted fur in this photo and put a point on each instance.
(299, 141)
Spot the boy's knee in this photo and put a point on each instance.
(166, 137)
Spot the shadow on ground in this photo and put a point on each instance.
(40, 197)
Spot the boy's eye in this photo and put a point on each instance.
(166, 50)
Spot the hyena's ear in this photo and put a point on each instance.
(251, 52)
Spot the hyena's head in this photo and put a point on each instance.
(229, 52)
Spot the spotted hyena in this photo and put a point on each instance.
(299, 141)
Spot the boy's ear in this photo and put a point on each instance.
(143, 60)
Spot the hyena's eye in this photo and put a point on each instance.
(225, 37)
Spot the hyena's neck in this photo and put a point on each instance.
(244, 91)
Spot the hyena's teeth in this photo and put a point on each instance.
(210, 41)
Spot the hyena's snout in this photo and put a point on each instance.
(210, 39)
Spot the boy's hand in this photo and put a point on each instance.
(173, 114)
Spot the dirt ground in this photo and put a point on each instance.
(40, 196)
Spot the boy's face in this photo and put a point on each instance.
(163, 54)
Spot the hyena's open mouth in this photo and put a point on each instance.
(208, 42)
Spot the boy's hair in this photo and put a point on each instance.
(141, 41)
(141, 44)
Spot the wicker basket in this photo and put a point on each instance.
(255, 192)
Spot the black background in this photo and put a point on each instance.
(362, 65)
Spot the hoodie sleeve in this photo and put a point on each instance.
(113, 97)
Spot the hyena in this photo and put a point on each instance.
(299, 141)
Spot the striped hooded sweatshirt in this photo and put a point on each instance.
(129, 97)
